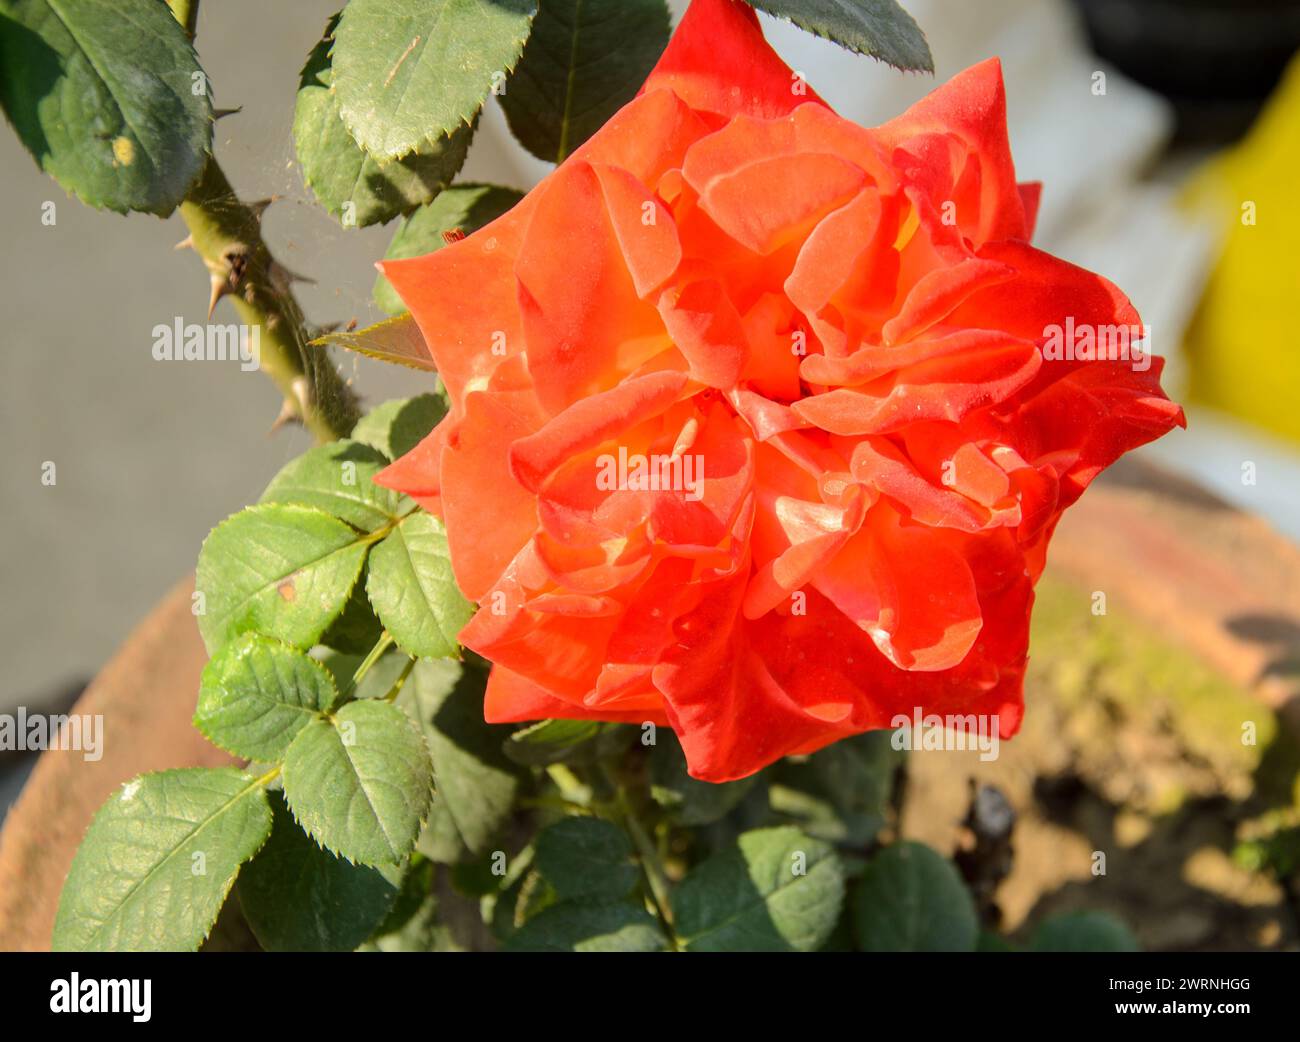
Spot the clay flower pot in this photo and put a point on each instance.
(146, 695)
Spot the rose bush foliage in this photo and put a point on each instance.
(830, 342)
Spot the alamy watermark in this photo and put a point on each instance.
(211, 342)
(37, 732)
(656, 472)
(955, 732)
(73, 994)
(1084, 342)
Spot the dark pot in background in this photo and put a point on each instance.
(1216, 60)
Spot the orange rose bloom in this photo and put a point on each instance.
(752, 432)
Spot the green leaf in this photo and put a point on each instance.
(858, 772)
(687, 800)
(399, 425)
(429, 919)
(338, 479)
(356, 630)
(479, 877)
(553, 741)
(340, 173)
(879, 28)
(1084, 932)
(109, 98)
(463, 207)
(300, 898)
(158, 860)
(474, 784)
(840, 793)
(359, 782)
(409, 71)
(414, 895)
(587, 858)
(774, 890)
(441, 841)
(278, 569)
(377, 682)
(584, 926)
(257, 694)
(524, 893)
(395, 340)
(413, 590)
(989, 941)
(910, 899)
(585, 60)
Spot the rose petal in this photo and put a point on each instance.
(944, 388)
(1031, 196)
(417, 472)
(644, 228)
(910, 588)
(1044, 291)
(718, 61)
(939, 292)
(972, 106)
(769, 202)
(489, 516)
(706, 328)
(463, 299)
(583, 322)
(590, 422)
(878, 464)
(511, 698)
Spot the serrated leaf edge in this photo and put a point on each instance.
(252, 636)
(464, 119)
(262, 781)
(423, 815)
(366, 538)
(457, 651)
(816, 30)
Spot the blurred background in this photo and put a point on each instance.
(1166, 132)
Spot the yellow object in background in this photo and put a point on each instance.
(1244, 343)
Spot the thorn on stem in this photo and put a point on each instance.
(286, 416)
(259, 206)
(220, 288)
(294, 408)
(282, 278)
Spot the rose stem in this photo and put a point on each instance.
(226, 233)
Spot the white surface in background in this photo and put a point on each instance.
(1214, 449)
